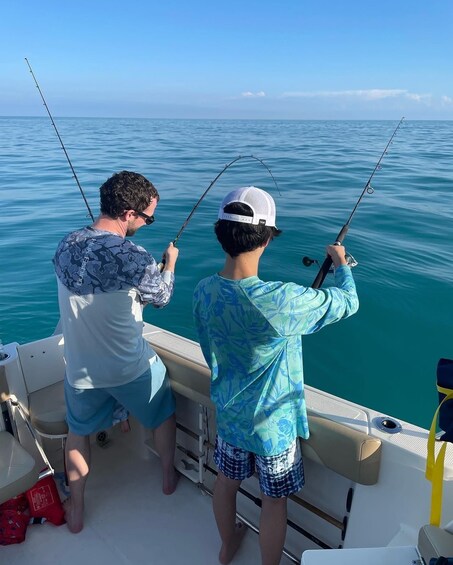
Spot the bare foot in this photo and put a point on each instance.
(170, 482)
(227, 552)
(74, 519)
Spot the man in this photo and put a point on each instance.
(251, 336)
(104, 281)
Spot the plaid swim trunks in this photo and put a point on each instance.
(279, 475)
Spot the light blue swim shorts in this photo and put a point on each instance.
(148, 398)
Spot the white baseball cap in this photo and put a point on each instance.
(261, 203)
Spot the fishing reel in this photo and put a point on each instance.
(351, 262)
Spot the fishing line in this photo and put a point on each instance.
(196, 205)
(225, 168)
(61, 142)
(325, 267)
(213, 183)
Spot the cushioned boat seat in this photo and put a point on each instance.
(434, 542)
(349, 452)
(48, 410)
(18, 469)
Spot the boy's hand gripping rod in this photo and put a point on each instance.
(322, 273)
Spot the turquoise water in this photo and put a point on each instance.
(384, 357)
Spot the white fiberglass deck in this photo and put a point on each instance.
(129, 521)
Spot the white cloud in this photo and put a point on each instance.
(447, 100)
(371, 94)
(259, 94)
(418, 97)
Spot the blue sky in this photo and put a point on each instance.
(280, 59)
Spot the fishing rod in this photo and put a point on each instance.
(183, 227)
(196, 205)
(327, 264)
(61, 141)
(227, 166)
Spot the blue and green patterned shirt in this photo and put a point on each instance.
(250, 332)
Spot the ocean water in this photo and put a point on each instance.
(384, 357)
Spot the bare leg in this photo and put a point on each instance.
(125, 426)
(224, 503)
(165, 444)
(77, 456)
(272, 529)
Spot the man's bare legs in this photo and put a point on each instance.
(272, 529)
(125, 426)
(165, 444)
(224, 504)
(77, 455)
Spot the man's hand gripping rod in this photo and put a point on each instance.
(161, 265)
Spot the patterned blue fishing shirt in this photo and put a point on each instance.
(104, 281)
(250, 333)
(91, 261)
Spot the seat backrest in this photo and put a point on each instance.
(349, 452)
(434, 542)
(18, 469)
(42, 362)
(346, 451)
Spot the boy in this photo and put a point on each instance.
(250, 333)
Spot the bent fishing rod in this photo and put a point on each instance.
(196, 205)
(325, 267)
(183, 227)
(61, 141)
(225, 168)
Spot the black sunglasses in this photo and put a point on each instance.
(148, 219)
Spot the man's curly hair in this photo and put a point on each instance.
(126, 191)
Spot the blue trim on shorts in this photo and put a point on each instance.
(279, 475)
(148, 398)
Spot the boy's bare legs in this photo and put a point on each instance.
(77, 454)
(272, 529)
(224, 503)
(165, 444)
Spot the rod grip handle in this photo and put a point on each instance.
(161, 265)
(163, 261)
(322, 273)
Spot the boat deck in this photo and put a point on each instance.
(128, 520)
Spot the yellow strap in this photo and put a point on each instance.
(437, 486)
(435, 466)
(446, 391)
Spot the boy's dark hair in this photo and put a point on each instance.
(126, 191)
(236, 238)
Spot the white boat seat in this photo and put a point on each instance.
(18, 469)
(434, 542)
(35, 377)
(398, 555)
(48, 410)
(349, 452)
(346, 451)
(187, 377)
